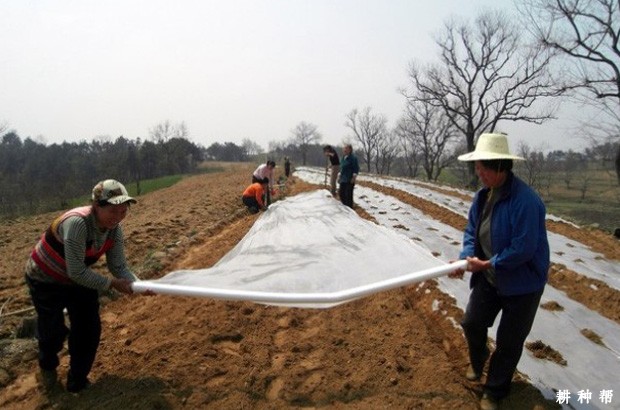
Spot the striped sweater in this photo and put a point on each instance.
(71, 244)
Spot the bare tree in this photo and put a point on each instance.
(387, 150)
(533, 167)
(305, 134)
(430, 131)
(485, 74)
(166, 134)
(368, 129)
(251, 148)
(276, 146)
(181, 131)
(409, 148)
(165, 131)
(587, 33)
(574, 163)
(584, 179)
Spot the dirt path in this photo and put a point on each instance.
(391, 350)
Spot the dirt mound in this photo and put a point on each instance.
(543, 351)
(397, 349)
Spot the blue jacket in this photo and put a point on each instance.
(518, 238)
(348, 167)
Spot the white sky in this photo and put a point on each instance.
(75, 70)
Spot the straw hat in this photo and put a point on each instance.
(490, 146)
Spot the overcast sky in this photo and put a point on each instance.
(230, 69)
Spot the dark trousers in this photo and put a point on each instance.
(267, 194)
(518, 314)
(251, 203)
(346, 193)
(82, 304)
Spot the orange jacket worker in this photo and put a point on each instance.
(253, 195)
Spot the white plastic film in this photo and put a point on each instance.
(308, 251)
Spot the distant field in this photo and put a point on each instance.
(600, 204)
(146, 186)
(150, 185)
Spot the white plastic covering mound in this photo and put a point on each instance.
(308, 251)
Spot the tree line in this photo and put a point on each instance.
(487, 71)
(35, 177)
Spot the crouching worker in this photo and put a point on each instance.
(253, 195)
(59, 277)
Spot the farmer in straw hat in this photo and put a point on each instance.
(506, 247)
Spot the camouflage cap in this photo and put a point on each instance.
(112, 192)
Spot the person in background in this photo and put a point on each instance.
(349, 168)
(334, 164)
(59, 277)
(265, 171)
(507, 250)
(287, 167)
(253, 196)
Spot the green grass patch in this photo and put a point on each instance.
(447, 177)
(605, 215)
(591, 199)
(146, 186)
(151, 185)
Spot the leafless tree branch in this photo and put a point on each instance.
(486, 73)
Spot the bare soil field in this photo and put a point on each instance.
(390, 350)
